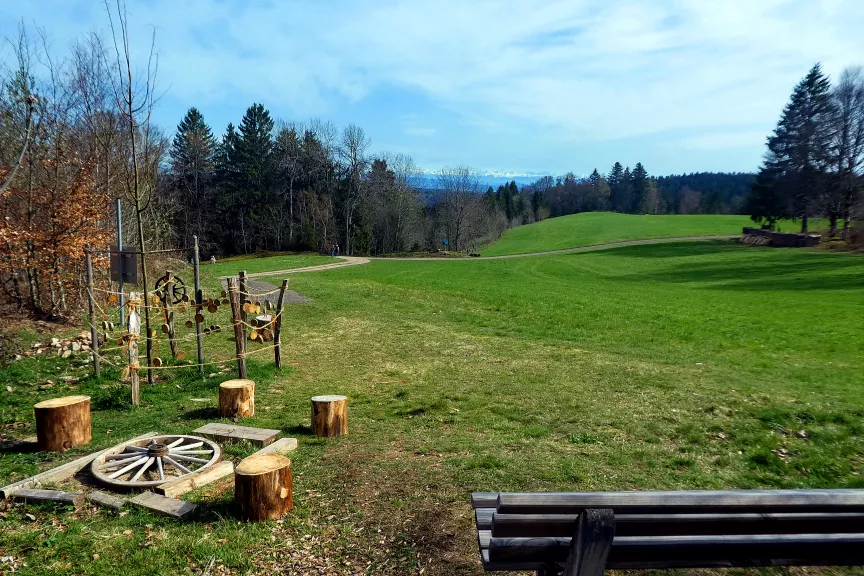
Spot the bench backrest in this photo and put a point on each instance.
(583, 533)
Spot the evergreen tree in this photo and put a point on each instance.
(799, 154)
(255, 172)
(640, 185)
(615, 179)
(227, 202)
(191, 157)
(625, 191)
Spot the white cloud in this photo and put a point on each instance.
(609, 70)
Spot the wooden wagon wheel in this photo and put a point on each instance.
(154, 461)
(175, 289)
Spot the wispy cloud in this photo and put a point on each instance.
(589, 70)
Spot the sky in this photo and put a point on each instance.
(527, 87)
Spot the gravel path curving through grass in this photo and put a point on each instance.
(358, 260)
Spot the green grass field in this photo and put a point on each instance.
(231, 266)
(591, 228)
(682, 365)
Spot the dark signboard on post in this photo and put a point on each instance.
(124, 263)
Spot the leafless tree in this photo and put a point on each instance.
(460, 205)
(352, 150)
(134, 95)
(24, 96)
(848, 98)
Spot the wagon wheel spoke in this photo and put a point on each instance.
(186, 447)
(119, 463)
(146, 465)
(188, 458)
(176, 464)
(159, 466)
(186, 452)
(176, 442)
(128, 467)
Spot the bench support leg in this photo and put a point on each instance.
(591, 543)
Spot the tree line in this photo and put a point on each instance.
(812, 166)
(626, 191)
(276, 185)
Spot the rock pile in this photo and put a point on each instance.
(63, 347)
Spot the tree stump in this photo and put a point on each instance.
(263, 487)
(330, 415)
(237, 398)
(62, 423)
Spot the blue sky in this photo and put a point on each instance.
(539, 86)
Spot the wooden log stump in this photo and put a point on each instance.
(263, 487)
(237, 398)
(330, 415)
(62, 423)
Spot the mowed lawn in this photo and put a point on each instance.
(589, 228)
(681, 365)
(232, 266)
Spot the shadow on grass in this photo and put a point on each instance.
(206, 413)
(299, 430)
(786, 269)
(14, 446)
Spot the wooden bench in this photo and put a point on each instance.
(585, 533)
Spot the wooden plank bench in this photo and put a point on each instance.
(585, 533)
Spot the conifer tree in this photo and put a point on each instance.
(191, 154)
(799, 154)
(640, 186)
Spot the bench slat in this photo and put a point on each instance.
(696, 502)
(483, 518)
(484, 499)
(697, 551)
(560, 525)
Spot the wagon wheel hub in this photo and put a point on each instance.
(157, 450)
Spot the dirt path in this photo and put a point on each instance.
(357, 260)
(581, 248)
(346, 261)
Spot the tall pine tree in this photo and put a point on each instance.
(799, 154)
(255, 171)
(640, 185)
(191, 154)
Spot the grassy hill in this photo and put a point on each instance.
(683, 365)
(589, 228)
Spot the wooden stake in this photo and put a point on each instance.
(239, 332)
(244, 296)
(94, 337)
(263, 487)
(277, 329)
(330, 415)
(134, 328)
(237, 399)
(62, 423)
(167, 296)
(199, 297)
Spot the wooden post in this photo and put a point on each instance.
(591, 544)
(166, 297)
(94, 337)
(263, 487)
(330, 415)
(239, 332)
(199, 298)
(244, 297)
(62, 423)
(237, 399)
(277, 328)
(133, 326)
